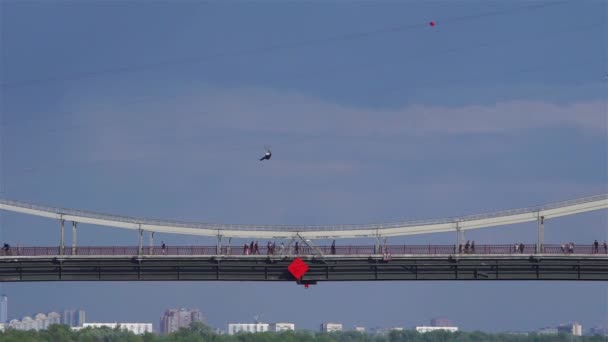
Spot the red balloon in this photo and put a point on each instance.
(432, 23)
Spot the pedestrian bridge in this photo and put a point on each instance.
(537, 261)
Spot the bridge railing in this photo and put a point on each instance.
(303, 250)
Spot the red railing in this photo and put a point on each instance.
(303, 250)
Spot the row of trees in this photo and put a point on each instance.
(199, 332)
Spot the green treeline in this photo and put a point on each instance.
(199, 332)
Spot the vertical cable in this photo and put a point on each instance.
(2, 164)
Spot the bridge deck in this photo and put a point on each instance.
(322, 268)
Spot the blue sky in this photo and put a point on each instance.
(162, 109)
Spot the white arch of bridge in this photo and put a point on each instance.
(380, 230)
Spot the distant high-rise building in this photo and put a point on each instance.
(174, 319)
(572, 328)
(234, 328)
(330, 327)
(80, 319)
(547, 331)
(39, 322)
(423, 329)
(384, 331)
(53, 318)
(67, 318)
(441, 322)
(599, 330)
(4, 309)
(136, 328)
(73, 318)
(278, 327)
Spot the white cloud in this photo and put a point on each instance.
(198, 121)
(255, 109)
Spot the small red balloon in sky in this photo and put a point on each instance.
(432, 23)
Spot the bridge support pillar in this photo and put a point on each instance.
(74, 237)
(377, 246)
(541, 234)
(62, 239)
(140, 246)
(151, 243)
(218, 249)
(459, 237)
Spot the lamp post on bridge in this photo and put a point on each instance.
(62, 239)
(151, 243)
(74, 232)
(459, 236)
(541, 233)
(377, 246)
(140, 246)
(218, 247)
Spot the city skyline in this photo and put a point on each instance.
(435, 321)
(162, 110)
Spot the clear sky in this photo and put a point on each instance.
(162, 109)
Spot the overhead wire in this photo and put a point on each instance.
(388, 91)
(519, 71)
(268, 48)
(428, 54)
(344, 68)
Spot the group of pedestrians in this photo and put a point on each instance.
(271, 248)
(253, 248)
(568, 247)
(468, 247)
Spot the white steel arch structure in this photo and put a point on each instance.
(380, 230)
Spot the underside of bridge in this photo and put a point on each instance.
(327, 268)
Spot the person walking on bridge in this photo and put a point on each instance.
(596, 247)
